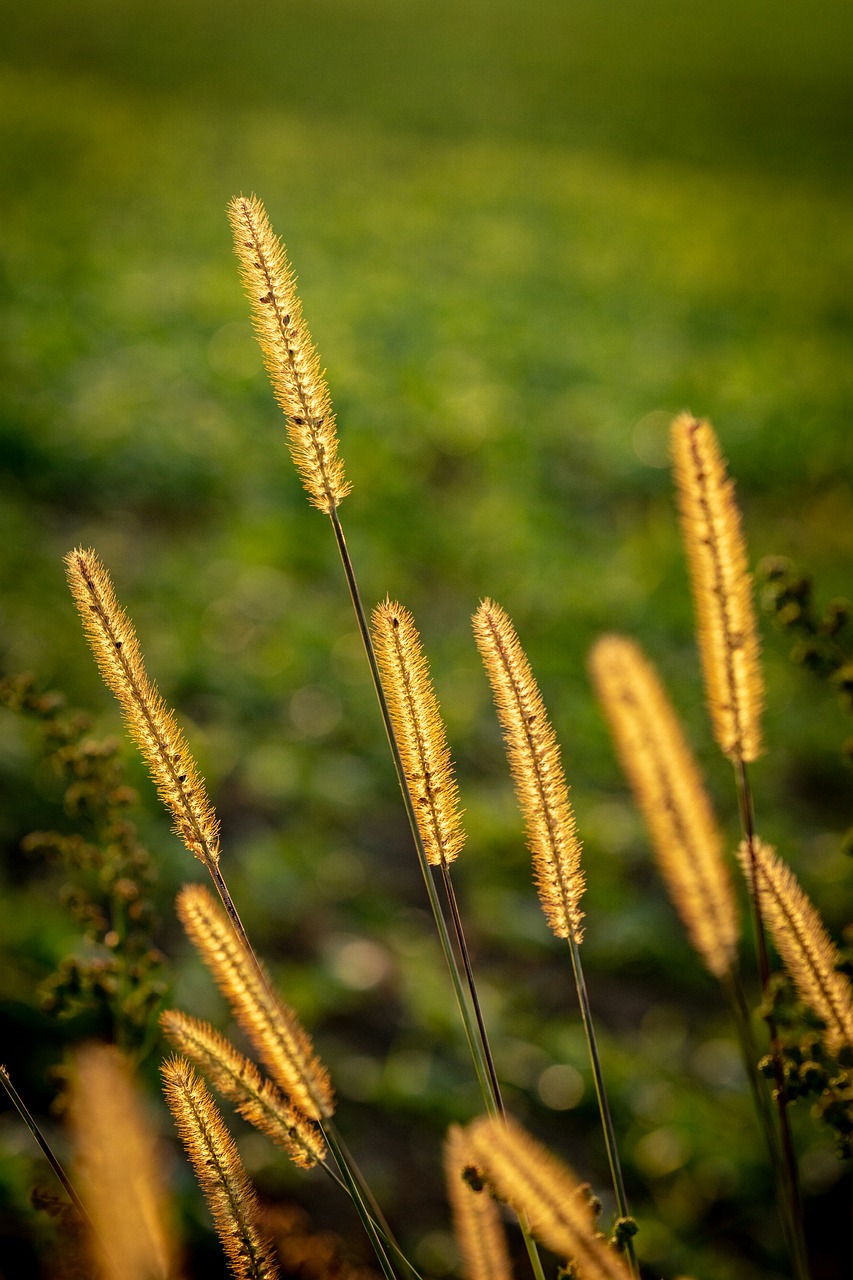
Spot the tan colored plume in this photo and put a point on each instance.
(801, 939)
(534, 758)
(151, 723)
(419, 731)
(115, 1152)
(290, 359)
(238, 1079)
(669, 791)
(476, 1218)
(281, 1041)
(545, 1191)
(721, 586)
(223, 1179)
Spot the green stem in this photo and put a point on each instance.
(453, 907)
(376, 1214)
(601, 1095)
(749, 1053)
(478, 1042)
(478, 1053)
(788, 1172)
(361, 1207)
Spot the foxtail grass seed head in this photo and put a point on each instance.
(238, 1079)
(150, 722)
(118, 1166)
(419, 731)
(476, 1218)
(534, 758)
(801, 939)
(220, 1173)
(722, 588)
(289, 357)
(541, 1188)
(282, 1043)
(669, 791)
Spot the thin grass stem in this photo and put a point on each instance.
(453, 907)
(749, 1053)
(478, 1042)
(601, 1094)
(237, 924)
(352, 1180)
(788, 1165)
(478, 1052)
(53, 1160)
(361, 1207)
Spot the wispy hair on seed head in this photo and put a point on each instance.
(800, 937)
(281, 1041)
(419, 730)
(544, 1190)
(220, 1173)
(151, 723)
(534, 758)
(669, 791)
(721, 586)
(289, 356)
(238, 1080)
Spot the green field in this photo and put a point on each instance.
(526, 236)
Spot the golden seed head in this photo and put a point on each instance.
(476, 1218)
(801, 939)
(722, 588)
(669, 791)
(290, 359)
(534, 758)
(419, 731)
(150, 722)
(539, 1186)
(281, 1041)
(229, 1193)
(237, 1078)
(118, 1165)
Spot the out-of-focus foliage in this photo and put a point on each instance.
(526, 236)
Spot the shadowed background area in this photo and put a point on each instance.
(525, 237)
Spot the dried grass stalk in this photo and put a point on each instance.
(290, 359)
(419, 731)
(119, 1169)
(151, 723)
(281, 1041)
(669, 791)
(802, 941)
(238, 1080)
(534, 758)
(476, 1218)
(538, 1185)
(722, 588)
(220, 1173)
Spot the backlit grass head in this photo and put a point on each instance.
(722, 588)
(289, 356)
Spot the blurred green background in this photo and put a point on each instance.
(526, 235)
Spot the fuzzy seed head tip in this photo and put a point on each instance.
(534, 758)
(290, 358)
(722, 587)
